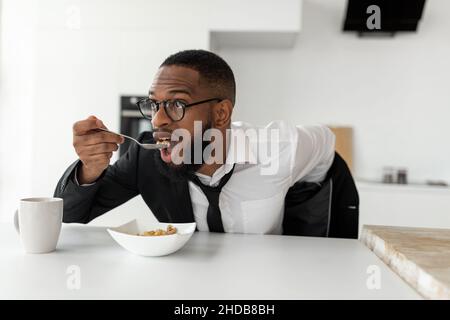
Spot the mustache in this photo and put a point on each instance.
(162, 130)
(177, 134)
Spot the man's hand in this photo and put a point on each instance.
(93, 147)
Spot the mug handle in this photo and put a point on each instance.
(16, 221)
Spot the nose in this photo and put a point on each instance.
(160, 119)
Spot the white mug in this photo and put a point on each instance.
(38, 222)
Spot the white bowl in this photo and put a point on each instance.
(153, 246)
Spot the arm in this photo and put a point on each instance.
(116, 185)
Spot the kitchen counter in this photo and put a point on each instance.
(210, 266)
(421, 256)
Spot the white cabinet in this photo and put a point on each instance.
(254, 23)
(404, 205)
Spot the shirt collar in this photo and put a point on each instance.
(239, 152)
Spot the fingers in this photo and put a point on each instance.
(85, 133)
(84, 126)
(98, 149)
(94, 147)
(100, 158)
(99, 161)
(97, 137)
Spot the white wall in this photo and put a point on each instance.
(394, 92)
(63, 60)
(17, 98)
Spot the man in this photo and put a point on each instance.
(226, 176)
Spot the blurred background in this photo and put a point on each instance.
(385, 94)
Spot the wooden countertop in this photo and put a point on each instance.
(420, 256)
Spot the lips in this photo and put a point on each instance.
(164, 137)
(161, 136)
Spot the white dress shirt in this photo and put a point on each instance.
(252, 201)
(265, 167)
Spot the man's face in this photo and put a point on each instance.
(179, 83)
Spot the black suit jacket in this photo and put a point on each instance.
(133, 174)
(310, 209)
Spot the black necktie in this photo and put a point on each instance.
(213, 216)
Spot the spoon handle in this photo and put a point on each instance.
(120, 134)
(148, 146)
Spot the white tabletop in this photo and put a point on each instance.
(210, 266)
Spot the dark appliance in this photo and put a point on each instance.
(395, 15)
(132, 123)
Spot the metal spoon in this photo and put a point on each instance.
(148, 146)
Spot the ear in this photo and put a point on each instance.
(221, 113)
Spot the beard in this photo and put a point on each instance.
(181, 172)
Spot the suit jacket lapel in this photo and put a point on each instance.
(183, 205)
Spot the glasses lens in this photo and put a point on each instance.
(148, 108)
(175, 109)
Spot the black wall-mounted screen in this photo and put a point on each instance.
(395, 15)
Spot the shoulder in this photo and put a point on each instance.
(283, 133)
(268, 146)
(272, 130)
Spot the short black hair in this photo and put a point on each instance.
(213, 70)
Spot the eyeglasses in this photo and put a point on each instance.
(174, 109)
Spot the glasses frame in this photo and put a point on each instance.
(165, 104)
